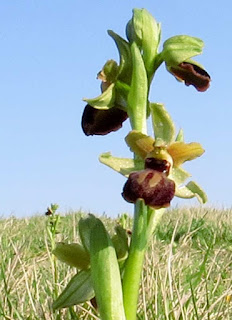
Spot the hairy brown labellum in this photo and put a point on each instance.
(102, 122)
(152, 186)
(192, 74)
(158, 165)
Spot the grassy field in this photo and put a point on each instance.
(187, 272)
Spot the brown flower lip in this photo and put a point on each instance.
(102, 122)
(192, 74)
(152, 186)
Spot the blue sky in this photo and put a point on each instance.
(50, 54)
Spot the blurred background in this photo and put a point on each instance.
(50, 55)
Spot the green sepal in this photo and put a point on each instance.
(191, 190)
(78, 290)
(179, 175)
(137, 97)
(145, 31)
(163, 125)
(122, 165)
(105, 274)
(72, 254)
(125, 67)
(140, 143)
(180, 48)
(120, 242)
(85, 226)
(105, 101)
(180, 136)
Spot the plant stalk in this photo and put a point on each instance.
(134, 264)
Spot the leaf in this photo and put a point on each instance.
(140, 143)
(85, 226)
(125, 67)
(105, 101)
(78, 290)
(105, 274)
(137, 97)
(163, 125)
(192, 189)
(182, 152)
(181, 48)
(120, 242)
(72, 254)
(122, 165)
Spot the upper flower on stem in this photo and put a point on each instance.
(106, 112)
(177, 53)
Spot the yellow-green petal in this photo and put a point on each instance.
(182, 152)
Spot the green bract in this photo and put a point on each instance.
(125, 67)
(137, 97)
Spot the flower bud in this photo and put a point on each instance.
(150, 185)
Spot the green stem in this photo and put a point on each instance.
(134, 264)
